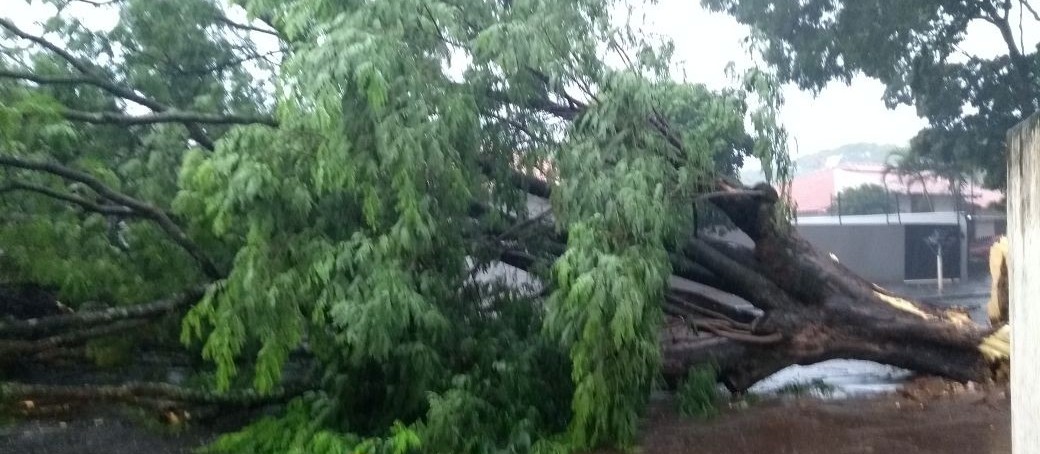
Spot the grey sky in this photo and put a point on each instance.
(708, 42)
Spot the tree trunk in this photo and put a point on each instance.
(754, 311)
(748, 311)
(135, 393)
(813, 309)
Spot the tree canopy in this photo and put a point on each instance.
(330, 202)
(333, 195)
(914, 49)
(864, 199)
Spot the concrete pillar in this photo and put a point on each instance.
(1024, 269)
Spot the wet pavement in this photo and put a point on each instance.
(843, 379)
(972, 294)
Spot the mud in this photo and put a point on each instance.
(925, 419)
(965, 423)
(111, 431)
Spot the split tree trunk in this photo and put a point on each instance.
(754, 311)
(812, 309)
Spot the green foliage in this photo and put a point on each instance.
(914, 48)
(865, 199)
(347, 235)
(697, 394)
(296, 433)
(110, 352)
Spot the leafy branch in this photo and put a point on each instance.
(108, 210)
(88, 76)
(35, 327)
(138, 207)
(166, 116)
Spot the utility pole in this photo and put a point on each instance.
(938, 267)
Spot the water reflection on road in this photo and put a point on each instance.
(851, 378)
(848, 378)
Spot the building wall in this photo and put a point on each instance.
(876, 252)
(985, 229)
(1023, 229)
(872, 246)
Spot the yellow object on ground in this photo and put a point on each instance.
(998, 271)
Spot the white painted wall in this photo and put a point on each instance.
(1024, 268)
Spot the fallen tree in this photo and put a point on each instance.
(754, 311)
(822, 311)
(351, 228)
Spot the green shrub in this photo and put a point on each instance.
(698, 394)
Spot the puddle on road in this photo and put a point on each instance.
(853, 378)
(846, 378)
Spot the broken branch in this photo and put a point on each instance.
(139, 207)
(36, 326)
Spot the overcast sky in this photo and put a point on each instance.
(707, 42)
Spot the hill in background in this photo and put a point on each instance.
(856, 153)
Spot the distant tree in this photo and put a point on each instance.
(913, 47)
(865, 199)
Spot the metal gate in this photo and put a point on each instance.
(920, 252)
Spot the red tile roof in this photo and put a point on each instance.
(813, 192)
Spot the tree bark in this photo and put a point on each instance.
(22, 329)
(754, 311)
(819, 310)
(135, 393)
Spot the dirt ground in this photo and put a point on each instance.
(976, 422)
(110, 431)
(966, 423)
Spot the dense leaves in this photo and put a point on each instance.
(864, 199)
(913, 47)
(343, 200)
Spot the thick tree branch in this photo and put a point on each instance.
(17, 347)
(745, 337)
(529, 183)
(252, 28)
(46, 80)
(690, 303)
(520, 127)
(75, 62)
(141, 208)
(36, 326)
(229, 63)
(89, 76)
(166, 116)
(758, 290)
(1020, 66)
(114, 210)
(542, 104)
(134, 392)
(1028, 7)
